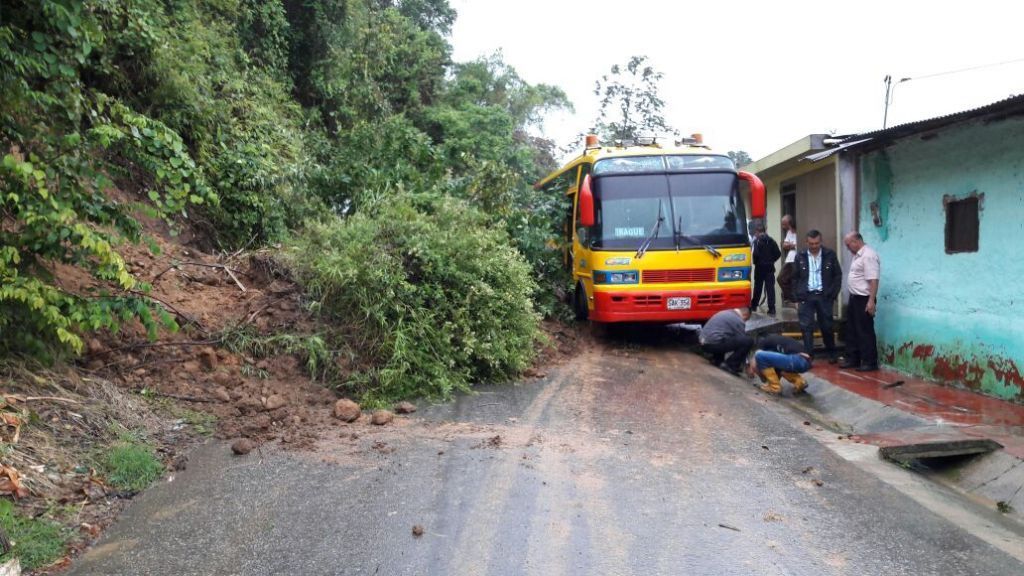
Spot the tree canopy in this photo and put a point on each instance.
(630, 103)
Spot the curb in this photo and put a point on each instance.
(993, 478)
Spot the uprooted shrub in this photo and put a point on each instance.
(429, 296)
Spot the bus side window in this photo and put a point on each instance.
(582, 232)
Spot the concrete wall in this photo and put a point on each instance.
(816, 198)
(953, 317)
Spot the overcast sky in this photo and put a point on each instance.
(758, 75)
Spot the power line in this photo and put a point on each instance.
(890, 85)
(968, 69)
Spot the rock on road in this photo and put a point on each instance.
(625, 460)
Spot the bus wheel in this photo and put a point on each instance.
(579, 300)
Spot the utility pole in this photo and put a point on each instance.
(888, 86)
(889, 90)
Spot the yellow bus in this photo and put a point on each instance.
(656, 233)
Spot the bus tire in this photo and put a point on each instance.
(579, 303)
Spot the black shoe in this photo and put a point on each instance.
(868, 368)
(729, 369)
(771, 312)
(847, 364)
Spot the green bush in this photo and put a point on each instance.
(428, 294)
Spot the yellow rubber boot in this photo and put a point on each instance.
(771, 381)
(798, 382)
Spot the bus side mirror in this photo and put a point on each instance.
(586, 203)
(757, 196)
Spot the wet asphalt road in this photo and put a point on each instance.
(627, 460)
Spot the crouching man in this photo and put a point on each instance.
(780, 356)
(726, 333)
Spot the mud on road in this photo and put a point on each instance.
(630, 458)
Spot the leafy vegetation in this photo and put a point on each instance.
(250, 122)
(36, 541)
(311, 349)
(630, 104)
(428, 298)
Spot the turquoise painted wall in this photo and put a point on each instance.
(958, 318)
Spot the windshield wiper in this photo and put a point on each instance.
(654, 233)
(693, 241)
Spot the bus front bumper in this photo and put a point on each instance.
(652, 306)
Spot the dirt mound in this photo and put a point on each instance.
(240, 296)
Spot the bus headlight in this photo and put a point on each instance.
(733, 274)
(616, 277)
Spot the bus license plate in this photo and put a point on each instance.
(680, 303)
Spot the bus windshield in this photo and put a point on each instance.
(695, 209)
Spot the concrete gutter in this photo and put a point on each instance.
(993, 478)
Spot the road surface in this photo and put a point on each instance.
(628, 459)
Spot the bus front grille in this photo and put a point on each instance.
(677, 276)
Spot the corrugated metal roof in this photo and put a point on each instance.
(1008, 107)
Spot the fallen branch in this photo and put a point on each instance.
(51, 399)
(237, 283)
(256, 312)
(170, 308)
(225, 267)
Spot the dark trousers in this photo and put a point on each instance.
(764, 279)
(739, 346)
(861, 345)
(816, 305)
(786, 281)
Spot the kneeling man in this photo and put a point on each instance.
(726, 333)
(778, 355)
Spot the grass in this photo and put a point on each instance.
(36, 541)
(202, 422)
(311, 349)
(130, 466)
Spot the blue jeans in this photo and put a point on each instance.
(781, 362)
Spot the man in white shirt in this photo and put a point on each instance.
(862, 281)
(785, 277)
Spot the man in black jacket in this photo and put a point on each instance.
(764, 254)
(816, 285)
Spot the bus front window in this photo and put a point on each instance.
(628, 208)
(708, 208)
(697, 209)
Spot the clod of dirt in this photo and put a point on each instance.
(534, 373)
(417, 530)
(818, 483)
(382, 417)
(382, 447)
(346, 410)
(807, 470)
(275, 401)
(242, 446)
(94, 346)
(492, 442)
(405, 408)
(222, 395)
(208, 359)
